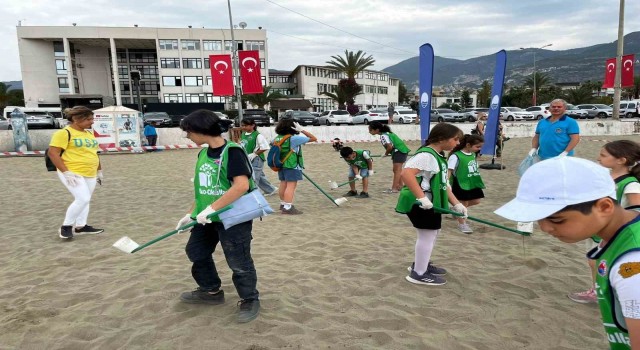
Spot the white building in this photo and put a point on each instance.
(97, 61)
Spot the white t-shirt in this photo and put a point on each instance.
(631, 188)
(261, 143)
(427, 165)
(453, 160)
(385, 140)
(627, 289)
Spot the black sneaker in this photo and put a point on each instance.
(200, 296)
(292, 211)
(432, 269)
(88, 230)
(248, 310)
(427, 279)
(350, 194)
(65, 232)
(363, 195)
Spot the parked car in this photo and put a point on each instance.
(258, 115)
(335, 117)
(366, 117)
(472, 113)
(515, 113)
(629, 109)
(43, 120)
(446, 115)
(597, 110)
(577, 113)
(160, 118)
(383, 112)
(405, 116)
(4, 123)
(221, 115)
(539, 112)
(302, 117)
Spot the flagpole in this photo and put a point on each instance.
(235, 64)
(617, 85)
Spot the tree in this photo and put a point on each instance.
(4, 95)
(484, 94)
(263, 99)
(580, 95)
(15, 98)
(338, 95)
(403, 96)
(351, 64)
(540, 80)
(450, 105)
(465, 99)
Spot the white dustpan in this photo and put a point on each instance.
(340, 200)
(126, 244)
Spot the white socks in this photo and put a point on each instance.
(287, 206)
(425, 241)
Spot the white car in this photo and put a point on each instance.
(366, 117)
(335, 117)
(405, 116)
(539, 112)
(515, 113)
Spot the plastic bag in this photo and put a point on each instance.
(526, 163)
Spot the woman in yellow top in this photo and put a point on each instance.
(74, 152)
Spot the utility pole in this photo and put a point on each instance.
(236, 64)
(617, 84)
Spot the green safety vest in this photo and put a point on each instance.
(248, 142)
(210, 181)
(621, 183)
(398, 144)
(438, 186)
(627, 239)
(359, 160)
(467, 172)
(295, 159)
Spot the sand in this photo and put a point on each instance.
(330, 278)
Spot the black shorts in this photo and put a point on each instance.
(398, 157)
(425, 219)
(465, 195)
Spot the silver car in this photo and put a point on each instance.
(597, 110)
(446, 115)
(43, 120)
(515, 113)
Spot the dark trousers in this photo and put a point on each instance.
(152, 139)
(236, 245)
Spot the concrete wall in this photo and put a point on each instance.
(39, 77)
(359, 133)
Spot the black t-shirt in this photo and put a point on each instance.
(237, 162)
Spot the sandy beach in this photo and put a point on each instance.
(332, 278)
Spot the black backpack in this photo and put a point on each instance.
(47, 161)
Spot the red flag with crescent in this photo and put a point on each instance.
(221, 75)
(250, 72)
(609, 73)
(627, 70)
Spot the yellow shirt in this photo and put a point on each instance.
(80, 151)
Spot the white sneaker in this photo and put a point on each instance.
(464, 228)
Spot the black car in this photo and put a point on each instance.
(258, 115)
(302, 117)
(160, 118)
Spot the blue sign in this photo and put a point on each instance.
(491, 129)
(426, 85)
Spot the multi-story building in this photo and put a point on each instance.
(97, 61)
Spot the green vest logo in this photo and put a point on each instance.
(618, 338)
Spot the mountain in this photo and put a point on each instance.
(13, 85)
(563, 66)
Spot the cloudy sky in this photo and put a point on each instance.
(309, 32)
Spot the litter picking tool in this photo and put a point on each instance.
(335, 185)
(336, 201)
(128, 245)
(447, 211)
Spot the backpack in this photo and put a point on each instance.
(47, 161)
(274, 158)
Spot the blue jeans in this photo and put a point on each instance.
(259, 176)
(236, 245)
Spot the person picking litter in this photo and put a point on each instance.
(360, 168)
(576, 200)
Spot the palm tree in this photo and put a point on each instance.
(4, 95)
(580, 95)
(537, 81)
(352, 63)
(263, 99)
(338, 95)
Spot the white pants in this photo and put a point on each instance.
(78, 211)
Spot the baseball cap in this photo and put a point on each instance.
(549, 186)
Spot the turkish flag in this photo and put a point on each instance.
(250, 72)
(627, 70)
(221, 75)
(609, 73)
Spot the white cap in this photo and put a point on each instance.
(549, 186)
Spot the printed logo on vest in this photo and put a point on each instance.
(619, 338)
(629, 269)
(602, 268)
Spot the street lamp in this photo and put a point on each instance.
(236, 62)
(534, 71)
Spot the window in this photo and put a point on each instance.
(168, 44)
(264, 80)
(173, 98)
(206, 63)
(227, 45)
(190, 45)
(121, 55)
(272, 79)
(76, 85)
(143, 56)
(170, 63)
(212, 45)
(125, 87)
(191, 63)
(254, 45)
(209, 81)
(58, 49)
(192, 81)
(146, 72)
(149, 88)
(194, 98)
(61, 67)
(63, 85)
(262, 64)
(172, 81)
(123, 72)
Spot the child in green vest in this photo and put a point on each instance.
(394, 146)
(622, 158)
(425, 176)
(222, 175)
(360, 167)
(255, 144)
(576, 200)
(464, 175)
(291, 173)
